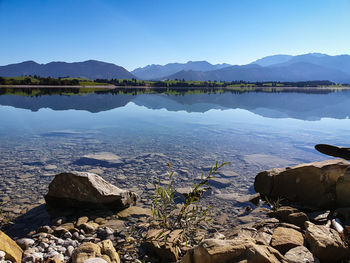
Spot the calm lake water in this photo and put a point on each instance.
(43, 135)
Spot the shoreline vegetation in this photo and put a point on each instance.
(48, 82)
(41, 90)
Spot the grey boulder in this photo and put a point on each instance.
(82, 189)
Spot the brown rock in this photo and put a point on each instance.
(300, 254)
(342, 190)
(168, 250)
(12, 250)
(114, 224)
(68, 226)
(82, 220)
(79, 189)
(108, 249)
(325, 243)
(298, 219)
(135, 211)
(282, 213)
(104, 250)
(89, 227)
(310, 184)
(85, 251)
(226, 251)
(165, 251)
(284, 239)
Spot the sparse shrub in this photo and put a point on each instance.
(188, 219)
(274, 203)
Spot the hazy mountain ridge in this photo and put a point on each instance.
(155, 72)
(306, 67)
(91, 69)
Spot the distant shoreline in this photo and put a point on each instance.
(169, 88)
(58, 86)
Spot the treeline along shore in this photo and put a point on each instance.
(29, 81)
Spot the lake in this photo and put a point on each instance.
(44, 134)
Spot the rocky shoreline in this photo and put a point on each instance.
(307, 221)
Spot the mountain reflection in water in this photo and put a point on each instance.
(306, 105)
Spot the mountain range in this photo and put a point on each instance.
(307, 67)
(91, 69)
(154, 72)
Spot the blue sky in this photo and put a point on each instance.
(134, 33)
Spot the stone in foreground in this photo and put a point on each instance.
(300, 254)
(226, 251)
(12, 251)
(325, 243)
(311, 184)
(82, 189)
(284, 239)
(103, 250)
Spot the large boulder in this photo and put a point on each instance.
(82, 189)
(310, 184)
(343, 189)
(325, 243)
(226, 251)
(12, 251)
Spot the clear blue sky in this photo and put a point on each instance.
(134, 33)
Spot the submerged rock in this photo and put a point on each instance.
(81, 189)
(311, 184)
(105, 159)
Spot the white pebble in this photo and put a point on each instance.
(2, 255)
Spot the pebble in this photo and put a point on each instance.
(95, 260)
(45, 229)
(25, 243)
(69, 251)
(2, 255)
(68, 235)
(44, 245)
(76, 235)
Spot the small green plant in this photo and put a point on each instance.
(275, 204)
(187, 219)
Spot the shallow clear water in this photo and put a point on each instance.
(42, 136)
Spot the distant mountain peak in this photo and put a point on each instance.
(153, 72)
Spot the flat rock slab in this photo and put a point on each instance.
(300, 254)
(81, 189)
(245, 250)
(105, 159)
(284, 239)
(135, 211)
(266, 160)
